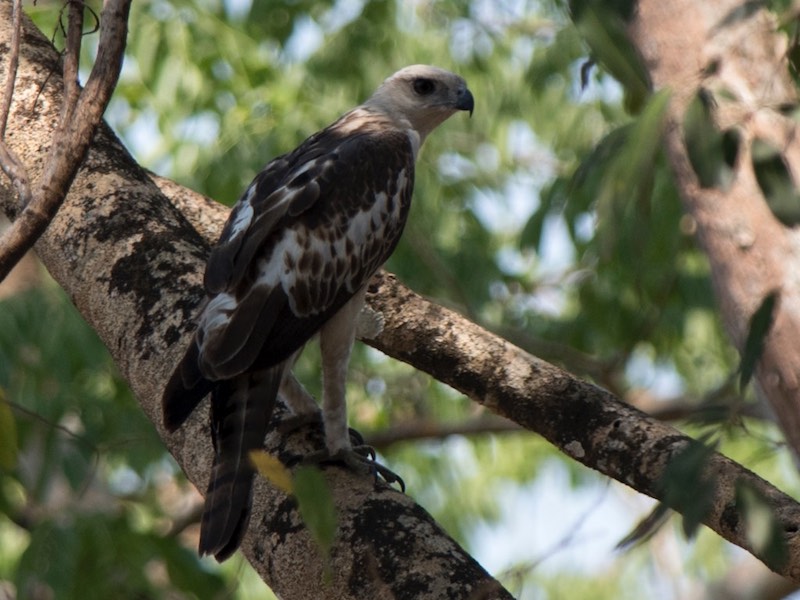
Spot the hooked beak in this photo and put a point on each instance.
(465, 101)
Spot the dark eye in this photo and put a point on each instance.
(424, 86)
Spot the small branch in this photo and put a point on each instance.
(133, 266)
(187, 519)
(9, 161)
(585, 422)
(678, 408)
(72, 58)
(76, 130)
(427, 429)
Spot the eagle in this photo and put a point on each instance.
(293, 261)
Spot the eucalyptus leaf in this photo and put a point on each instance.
(760, 325)
(687, 485)
(711, 151)
(603, 27)
(764, 531)
(316, 506)
(776, 182)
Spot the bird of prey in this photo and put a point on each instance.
(293, 260)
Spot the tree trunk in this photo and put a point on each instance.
(733, 50)
(132, 262)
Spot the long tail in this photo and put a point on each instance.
(185, 389)
(240, 413)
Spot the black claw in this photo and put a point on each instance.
(388, 476)
(361, 460)
(356, 439)
(364, 450)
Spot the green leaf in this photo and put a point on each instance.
(315, 503)
(687, 488)
(760, 324)
(646, 528)
(603, 27)
(627, 178)
(762, 529)
(49, 563)
(8, 435)
(776, 182)
(712, 153)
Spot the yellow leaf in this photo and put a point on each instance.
(272, 470)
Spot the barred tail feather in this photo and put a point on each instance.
(240, 413)
(184, 391)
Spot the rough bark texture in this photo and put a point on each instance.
(132, 263)
(732, 47)
(81, 114)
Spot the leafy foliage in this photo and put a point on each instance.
(550, 216)
(85, 484)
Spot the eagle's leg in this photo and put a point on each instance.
(304, 407)
(336, 343)
(305, 412)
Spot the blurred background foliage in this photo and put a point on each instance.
(550, 217)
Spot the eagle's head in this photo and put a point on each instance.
(422, 95)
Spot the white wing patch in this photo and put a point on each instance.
(216, 314)
(244, 213)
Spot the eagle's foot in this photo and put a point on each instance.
(360, 459)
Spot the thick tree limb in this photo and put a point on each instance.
(732, 49)
(132, 265)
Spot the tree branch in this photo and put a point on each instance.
(133, 264)
(427, 429)
(80, 116)
(732, 50)
(9, 161)
(72, 59)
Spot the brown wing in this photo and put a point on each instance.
(341, 216)
(307, 233)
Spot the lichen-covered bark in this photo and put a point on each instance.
(732, 49)
(584, 421)
(132, 263)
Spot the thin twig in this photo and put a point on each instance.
(72, 58)
(9, 161)
(75, 134)
(427, 429)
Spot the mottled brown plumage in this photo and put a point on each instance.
(292, 261)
